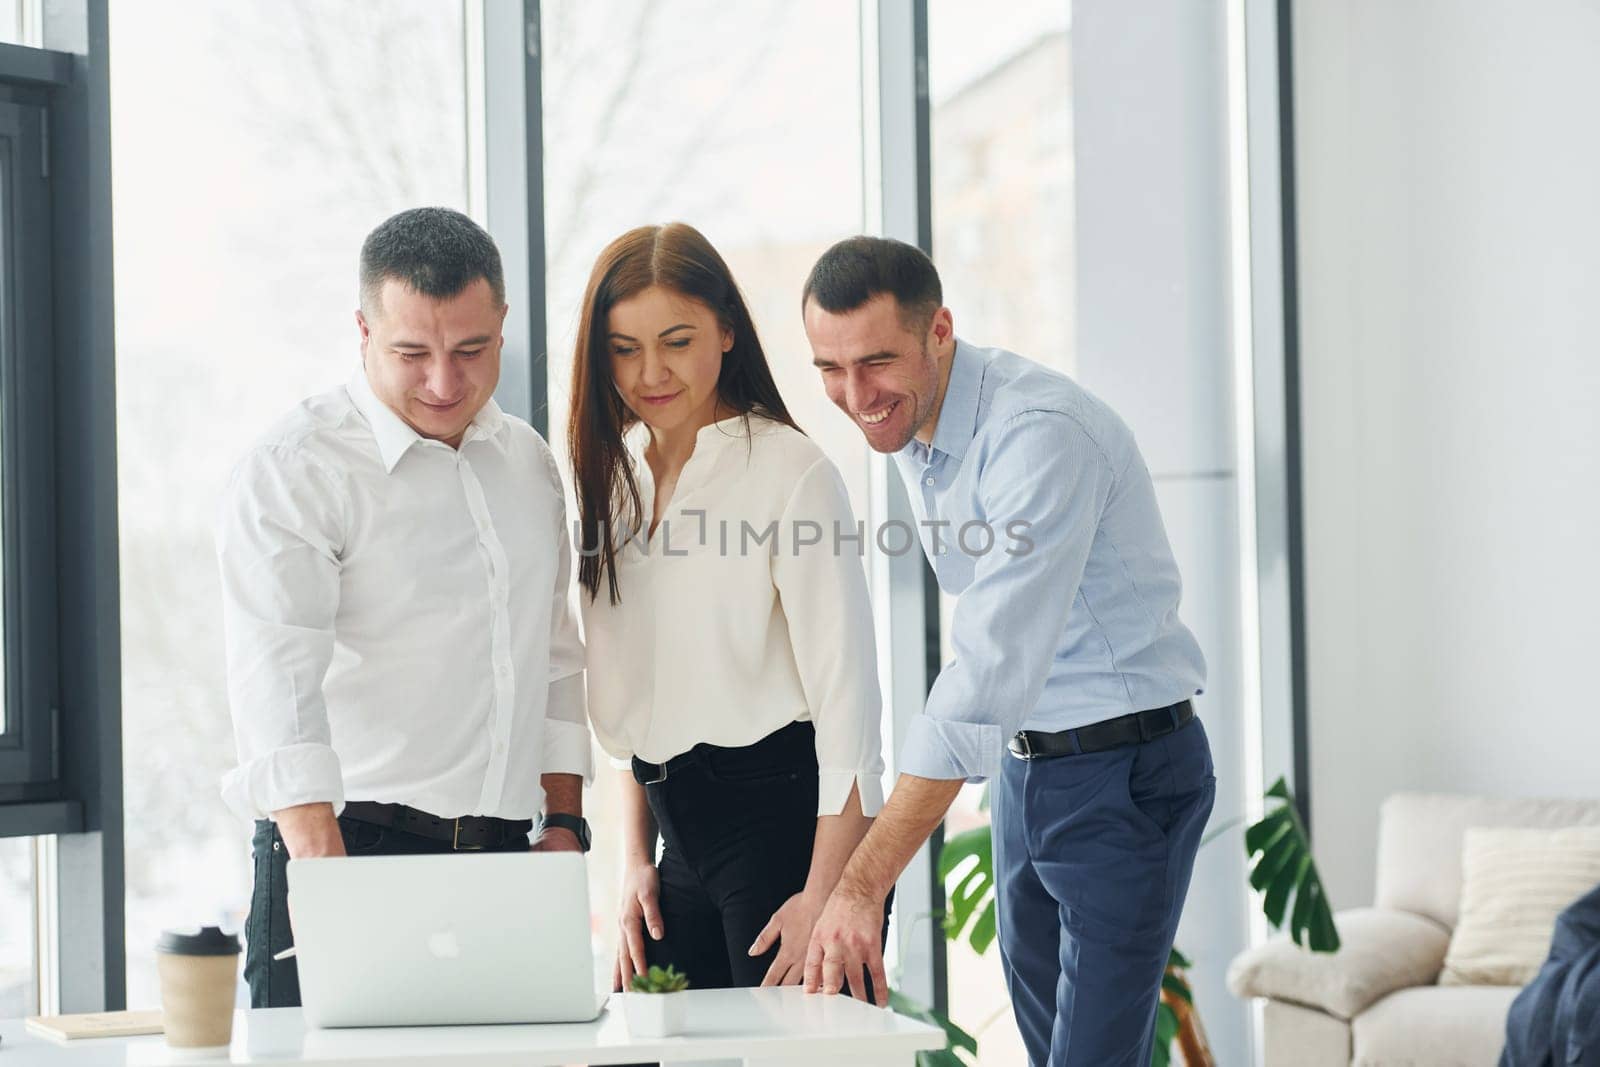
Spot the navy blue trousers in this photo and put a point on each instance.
(1093, 855)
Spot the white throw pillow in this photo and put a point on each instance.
(1381, 952)
(1514, 882)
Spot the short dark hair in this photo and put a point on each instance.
(433, 250)
(857, 269)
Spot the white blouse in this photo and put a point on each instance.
(745, 611)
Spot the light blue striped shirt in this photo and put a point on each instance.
(1071, 615)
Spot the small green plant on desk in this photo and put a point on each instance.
(1281, 867)
(656, 980)
(655, 1005)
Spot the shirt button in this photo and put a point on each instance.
(927, 481)
(502, 670)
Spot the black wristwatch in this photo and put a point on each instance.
(576, 823)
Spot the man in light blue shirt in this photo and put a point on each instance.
(1070, 683)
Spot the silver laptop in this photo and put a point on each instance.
(443, 939)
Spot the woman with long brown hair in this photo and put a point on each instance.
(730, 645)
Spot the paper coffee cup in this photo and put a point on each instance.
(199, 973)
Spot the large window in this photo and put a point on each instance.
(256, 144)
(1002, 174)
(1001, 126)
(743, 120)
(241, 202)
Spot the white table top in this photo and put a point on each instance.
(722, 1024)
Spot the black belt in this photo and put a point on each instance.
(1134, 729)
(646, 773)
(797, 736)
(470, 833)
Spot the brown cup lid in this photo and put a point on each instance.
(210, 941)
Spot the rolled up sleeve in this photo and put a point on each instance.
(823, 590)
(1045, 478)
(568, 747)
(280, 532)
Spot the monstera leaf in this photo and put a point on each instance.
(1168, 1024)
(971, 895)
(1166, 1030)
(1282, 867)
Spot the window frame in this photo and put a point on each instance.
(30, 755)
(62, 472)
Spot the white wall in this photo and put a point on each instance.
(1150, 120)
(1449, 198)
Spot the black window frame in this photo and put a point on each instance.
(58, 495)
(30, 757)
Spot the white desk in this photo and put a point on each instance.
(755, 1027)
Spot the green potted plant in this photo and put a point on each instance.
(655, 1004)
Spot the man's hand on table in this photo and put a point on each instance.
(847, 937)
(309, 830)
(845, 942)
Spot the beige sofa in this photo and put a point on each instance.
(1375, 1002)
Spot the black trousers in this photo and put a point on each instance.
(276, 983)
(737, 825)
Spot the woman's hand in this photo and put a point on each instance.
(790, 929)
(641, 909)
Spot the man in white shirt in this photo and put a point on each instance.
(404, 667)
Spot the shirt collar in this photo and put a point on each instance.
(958, 413)
(395, 437)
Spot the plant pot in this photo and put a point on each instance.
(655, 1014)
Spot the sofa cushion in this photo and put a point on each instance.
(1303, 1037)
(1458, 1026)
(1513, 885)
(1420, 836)
(1381, 951)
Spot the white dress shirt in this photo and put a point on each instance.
(723, 635)
(396, 615)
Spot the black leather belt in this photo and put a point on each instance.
(787, 740)
(469, 833)
(655, 773)
(1134, 729)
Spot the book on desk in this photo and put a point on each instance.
(94, 1024)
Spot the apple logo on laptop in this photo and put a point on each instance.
(444, 946)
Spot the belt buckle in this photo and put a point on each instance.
(455, 841)
(1020, 739)
(662, 775)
